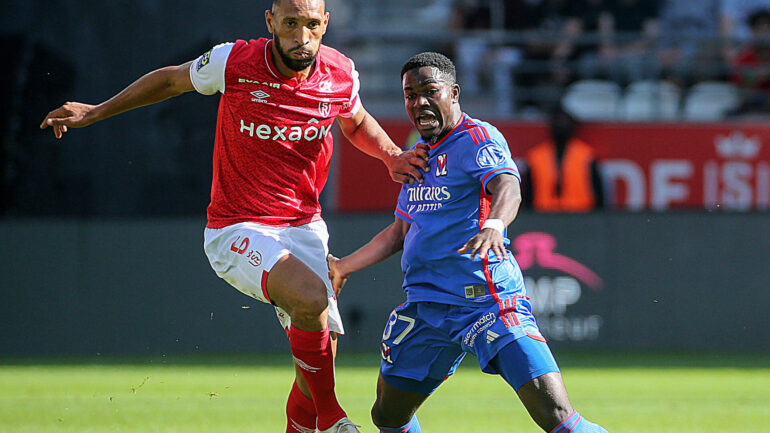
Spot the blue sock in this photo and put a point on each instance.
(412, 426)
(577, 424)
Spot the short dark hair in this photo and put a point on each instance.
(434, 60)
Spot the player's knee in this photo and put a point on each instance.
(546, 400)
(313, 304)
(381, 417)
(378, 418)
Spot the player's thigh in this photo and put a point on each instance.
(394, 407)
(507, 341)
(416, 356)
(243, 255)
(529, 367)
(293, 286)
(309, 244)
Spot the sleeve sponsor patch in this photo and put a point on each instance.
(490, 155)
(203, 60)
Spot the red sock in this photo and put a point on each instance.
(313, 354)
(300, 412)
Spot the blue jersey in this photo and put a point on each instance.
(446, 210)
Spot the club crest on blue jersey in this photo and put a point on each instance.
(490, 156)
(441, 165)
(203, 61)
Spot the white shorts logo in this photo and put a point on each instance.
(490, 156)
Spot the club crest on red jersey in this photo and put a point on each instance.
(324, 108)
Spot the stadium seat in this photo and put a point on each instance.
(592, 99)
(710, 100)
(650, 100)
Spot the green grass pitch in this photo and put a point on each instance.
(626, 392)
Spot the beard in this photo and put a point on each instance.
(292, 63)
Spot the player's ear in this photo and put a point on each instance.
(326, 22)
(269, 21)
(455, 92)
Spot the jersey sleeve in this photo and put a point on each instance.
(402, 206)
(207, 72)
(489, 159)
(353, 104)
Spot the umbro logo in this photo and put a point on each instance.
(259, 96)
(305, 366)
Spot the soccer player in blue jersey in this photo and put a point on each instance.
(465, 291)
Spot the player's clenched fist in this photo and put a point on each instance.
(71, 114)
(337, 277)
(404, 167)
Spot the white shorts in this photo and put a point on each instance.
(242, 254)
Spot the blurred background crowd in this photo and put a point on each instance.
(653, 62)
(622, 59)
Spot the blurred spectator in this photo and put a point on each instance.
(734, 24)
(734, 17)
(627, 28)
(482, 61)
(587, 30)
(549, 50)
(689, 48)
(559, 27)
(471, 51)
(561, 173)
(751, 66)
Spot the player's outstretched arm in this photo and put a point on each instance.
(383, 245)
(153, 87)
(506, 198)
(368, 136)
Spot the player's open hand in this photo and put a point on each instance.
(71, 114)
(486, 240)
(338, 278)
(408, 166)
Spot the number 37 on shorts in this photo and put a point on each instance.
(397, 328)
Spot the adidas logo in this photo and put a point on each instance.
(491, 336)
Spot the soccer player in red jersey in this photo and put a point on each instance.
(265, 236)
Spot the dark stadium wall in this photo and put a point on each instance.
(685, 281)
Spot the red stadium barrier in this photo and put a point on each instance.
(724, 166)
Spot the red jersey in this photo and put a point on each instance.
(273, 139)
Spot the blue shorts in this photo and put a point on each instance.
(424, 342)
